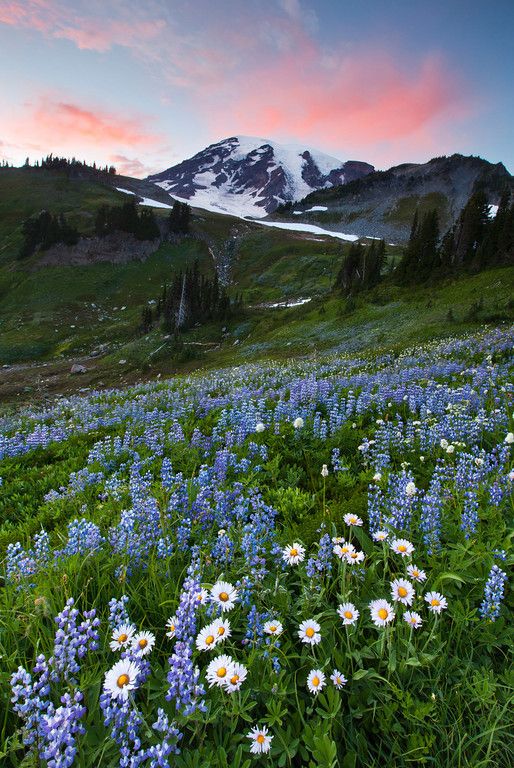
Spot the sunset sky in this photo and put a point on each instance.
(143, 85)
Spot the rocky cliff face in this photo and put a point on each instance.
(251, 177)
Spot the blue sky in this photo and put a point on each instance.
(144, 85)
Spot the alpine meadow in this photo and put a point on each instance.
(256, 394)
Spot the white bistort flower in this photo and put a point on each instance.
(261, 742)
(316, 681)
(402, 547)
(509, 439)
(382, 612)
(377, 477)
(410, 488)
(402, 591)
(259, 427)
(220, 670)
(338, 679)
(351, 519)
(293, 554)
(413, 619)
(348, 613)
(416, 573)
(308, 632)
(121, 679)
(436, 602)
(324, 471)
(273, 628)
(143, 643)
(224, 595)
(121, 637)
(298, 423)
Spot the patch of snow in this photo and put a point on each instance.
(126, 191)
(316, 208)
(153, 203)
(308, 228)
(493, 210)
(286, 304)
(297, 213)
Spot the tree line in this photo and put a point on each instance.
(55, 163)
(476, 241)
(126, 218)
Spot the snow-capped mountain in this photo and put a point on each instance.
(247, 176)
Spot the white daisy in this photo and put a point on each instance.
(273, 628)
(379, 535)
(308, 632)
(402, 591)
(220, 670)
(402, 547)
(121, 679)
(261, 742)
(237, 678)
(413, 619)
(337, 539)
(121, 637)
(224, 595)
(338, 679)
(293, 554)
(343, 549)
(220, 629)
(206, 639)
(171, 626)
(348, 613)
(354, 558)
(143, 643)
(382, 612)
(351, 519)
(416, 573)
(316, 681)
(436, 602)
(202, 596)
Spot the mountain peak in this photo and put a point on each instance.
(251, 176)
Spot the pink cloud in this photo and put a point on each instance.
(132, 166)
(93, 29)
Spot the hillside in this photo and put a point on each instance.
(382, 204)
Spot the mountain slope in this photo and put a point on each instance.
(250, 176)
(382, 204)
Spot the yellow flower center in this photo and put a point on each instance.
(221, 672)
(221, 631)
(172, 627)
(353, 519)
(345, 550)
(122, 681)
(234, 679)
(209, 640)
(435, 601)
(415, 574)
(383, 613)
(223, 597)
(402, 548)
(260, 739)
(122, 638)
(293, 552)
(273, 628)
(402, 591)
(309, 632)
(315, 681)
(348, 615)
(143, 642)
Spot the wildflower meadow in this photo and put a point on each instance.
(291, 564)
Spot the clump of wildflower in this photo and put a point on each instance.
(493, 594)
